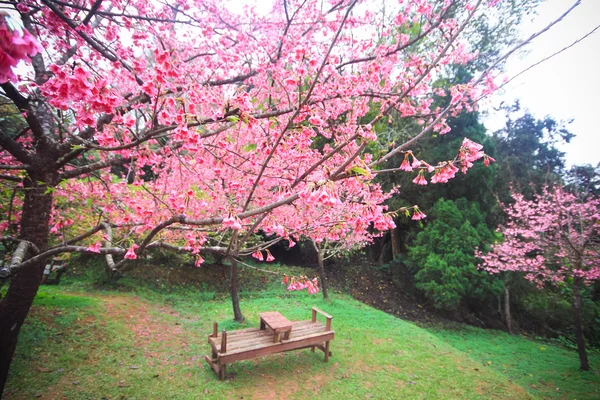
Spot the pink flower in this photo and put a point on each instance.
(405, 166)
(416, 163)
(130, 255)
(420, 179)
(270, 256)
(487, 159)
(313, 287)
(232, 222)
(258, 255)
(315, 120)
(16, 44)
(430, 168)
(417, 215)
(95, 248)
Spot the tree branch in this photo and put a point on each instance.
(17, 258)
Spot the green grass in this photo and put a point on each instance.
(543, 369)
(85, 341)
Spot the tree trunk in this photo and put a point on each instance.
(579, 339)
(395, 243)
(233, 289)
(322, 272)
(24, 284)
(507, 317)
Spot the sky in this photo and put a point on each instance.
(564, 87)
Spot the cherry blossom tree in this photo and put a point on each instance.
(553, 238)
(195, 125)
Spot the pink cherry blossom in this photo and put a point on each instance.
(405, 166)
(420, 179)
(258, 255)
(270, 256)
(130, 255)
(94, 248)
(418, 214)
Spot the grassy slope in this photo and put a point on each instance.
(112, 344)
(543, 369)
(83, 342)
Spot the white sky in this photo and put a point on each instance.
(566, 86)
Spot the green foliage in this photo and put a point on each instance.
(527, 153)
(441, 258)
(549, 311)
(584, 179)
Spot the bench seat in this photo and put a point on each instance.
(246, 344)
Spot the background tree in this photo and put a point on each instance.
(442, 261)
(552, 238)
(528, 148)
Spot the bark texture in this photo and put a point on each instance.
(507, 316)
(322, 275)
(233, 289)
(579, 338)
(26, 281)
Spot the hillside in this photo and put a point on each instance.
(83, 341)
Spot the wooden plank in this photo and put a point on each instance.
(261, 350)
(233, 337)
(214, 366)
(295, 333)
(323, 313)
(223, 348)
(277, 322)
(302, 331)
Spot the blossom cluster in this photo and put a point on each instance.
(302, 283)
(259, 255)
(549, 238)
(469, 153)
(16, 44)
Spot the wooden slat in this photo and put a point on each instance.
(267, 340)
(237, 338)
(285, 345)
(213, 365)
(323, 313)
(233, 336)
(248, 341)
(223, 347)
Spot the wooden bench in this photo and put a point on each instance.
(245, 344)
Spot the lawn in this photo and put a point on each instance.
(543, 369)
(82, 342)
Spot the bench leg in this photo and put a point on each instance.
(312, 348)
(262, 325)
(222, 372)
(276, 337)
(213, 364)
(327, 351)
